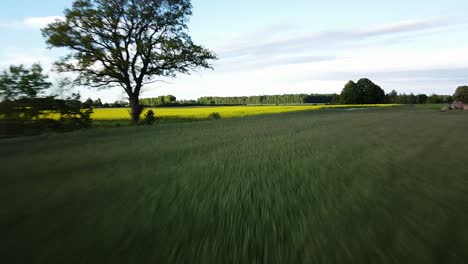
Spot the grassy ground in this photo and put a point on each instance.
(364, 186)
(184, 113)
(429, 106)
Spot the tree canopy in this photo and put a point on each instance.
(351, 94)
(127, 43)
(362, 92)
(21, 82)
(461, 94)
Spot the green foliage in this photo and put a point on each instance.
(159, 101)
(449, 99)
(285, 99)
(411, 99)
(29, 115)
(461, 94)
(97, 103)
(439, 99)
(127, 43)
(362, 92)
(214, 116)
(270, 99)
(371, 93)
(149, 117)
(392, 97)
(73, 114)
(88, 102)
(20, 82)
(94, 103)
(383, 186)
(170, 99)
(395, 98)
(421, 99)
(351, 94)
(118, 104)
(22, 112)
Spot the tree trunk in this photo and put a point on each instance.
(135, 108)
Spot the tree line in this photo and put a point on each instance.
(394, 98)
(99, 104)
(170, 100)
(365, 91)
(362, 92)
(272, 99)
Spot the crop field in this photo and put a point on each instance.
(366, 186)
(103, 114)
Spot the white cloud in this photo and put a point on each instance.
(40, 22)
(14, 56)
(30, 22)
(402, 26)
(268, 42)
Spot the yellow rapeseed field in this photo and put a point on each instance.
(225, 111)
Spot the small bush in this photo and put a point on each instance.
(26, 116)
(149, 118)
(214, 115)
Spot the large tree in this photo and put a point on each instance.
(372, 93)
(362, 92)
(351, 94)
(461, 94)
(127, 43)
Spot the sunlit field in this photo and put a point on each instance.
(364, 186)
(225, 111)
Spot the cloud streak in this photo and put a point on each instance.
(269, 45)
(30, 22)
(405, 26)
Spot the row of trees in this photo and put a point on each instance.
(170, 100)
(159, 101)
(366, 92)
(98, 104)
(394, 98)
(362, 92)
(271, 99)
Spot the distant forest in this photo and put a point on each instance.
(391, 98)
(245, 100)
(273, 99)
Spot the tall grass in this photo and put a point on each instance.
(311, 187)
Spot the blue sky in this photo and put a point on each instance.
(296, 46)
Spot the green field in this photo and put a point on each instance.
(364, 186)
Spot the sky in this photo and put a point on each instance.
(285, 47)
